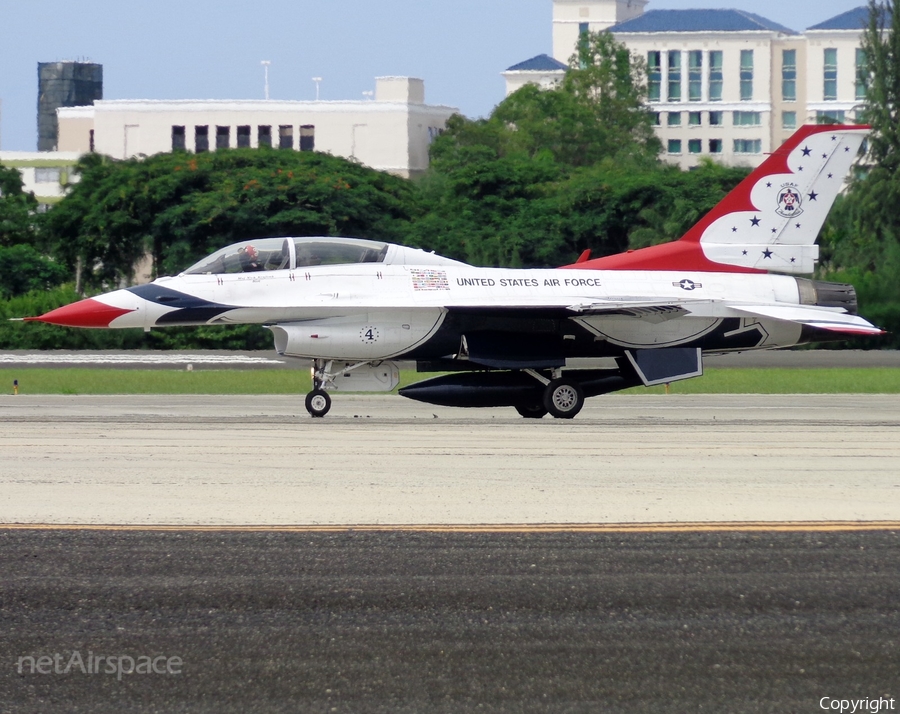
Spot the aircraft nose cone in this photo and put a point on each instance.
(84, 313)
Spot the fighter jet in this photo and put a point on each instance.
(538, 340)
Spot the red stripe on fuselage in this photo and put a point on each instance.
(679, 255)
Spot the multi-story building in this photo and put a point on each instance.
(834, 60)
(724, 84)
(391, 132)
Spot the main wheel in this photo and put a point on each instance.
(318, 403)
(563, 398)
(531, 411)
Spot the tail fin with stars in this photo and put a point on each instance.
(770, 221)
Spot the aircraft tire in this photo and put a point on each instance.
(531, 411)
(563, 398)
(318, 403)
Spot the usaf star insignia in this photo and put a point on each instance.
(687, 284)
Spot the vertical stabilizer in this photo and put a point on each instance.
(770, 221)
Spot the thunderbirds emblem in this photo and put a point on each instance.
(789, 201)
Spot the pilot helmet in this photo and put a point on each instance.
(250, 252)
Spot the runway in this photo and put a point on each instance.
(681, 553)
(446, 623)
(238, 461)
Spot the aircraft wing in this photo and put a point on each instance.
(823, 318)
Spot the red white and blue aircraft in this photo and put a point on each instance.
(537, 340)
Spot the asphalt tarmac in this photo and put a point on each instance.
(268, 359)
(215, 460)
(448, 622)
(270, 590)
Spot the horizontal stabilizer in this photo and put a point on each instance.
(821, 318)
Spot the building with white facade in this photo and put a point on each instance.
(46, 174)
(391, 132)
(724, 84)
(710, 81)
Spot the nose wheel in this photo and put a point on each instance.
(318, 403)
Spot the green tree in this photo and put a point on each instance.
(17, 209)
(518, 188)
(861, 240)
(181, 207)
(23, 269)
(597, 111)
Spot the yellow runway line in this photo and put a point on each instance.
(620, 528)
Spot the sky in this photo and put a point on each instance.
(212, 49)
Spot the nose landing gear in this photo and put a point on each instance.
(318, 402)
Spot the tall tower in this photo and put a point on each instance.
(64, 84)
(572, 17)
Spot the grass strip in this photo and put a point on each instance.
(282, 381)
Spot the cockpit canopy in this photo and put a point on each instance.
(288, 254)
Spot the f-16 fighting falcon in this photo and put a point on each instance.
(539, 340)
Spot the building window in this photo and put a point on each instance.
(264, 136)
(695, 146)
(243, 137)
(748, 146)
(830, 93)
(307, 137)
(789, 75)
(747, 118)
(674, 146)
(862, 73)
(178, 139)
(285, 136)
(584, 28)
(788, 120)
(223, 137)
(715, 146)
(746, 75)
(654, 117)
(654, 76)
(47, 175)
(674, 119)
(695, 75)
(91, 141)
(674, 76)
(715, 76)
(716, 118)
(695, 118)
(831, 117)
(201, 139)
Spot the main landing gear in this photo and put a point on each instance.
(563, 398)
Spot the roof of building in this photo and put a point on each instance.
(700, 21)
(541, 63)
(855, 19)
